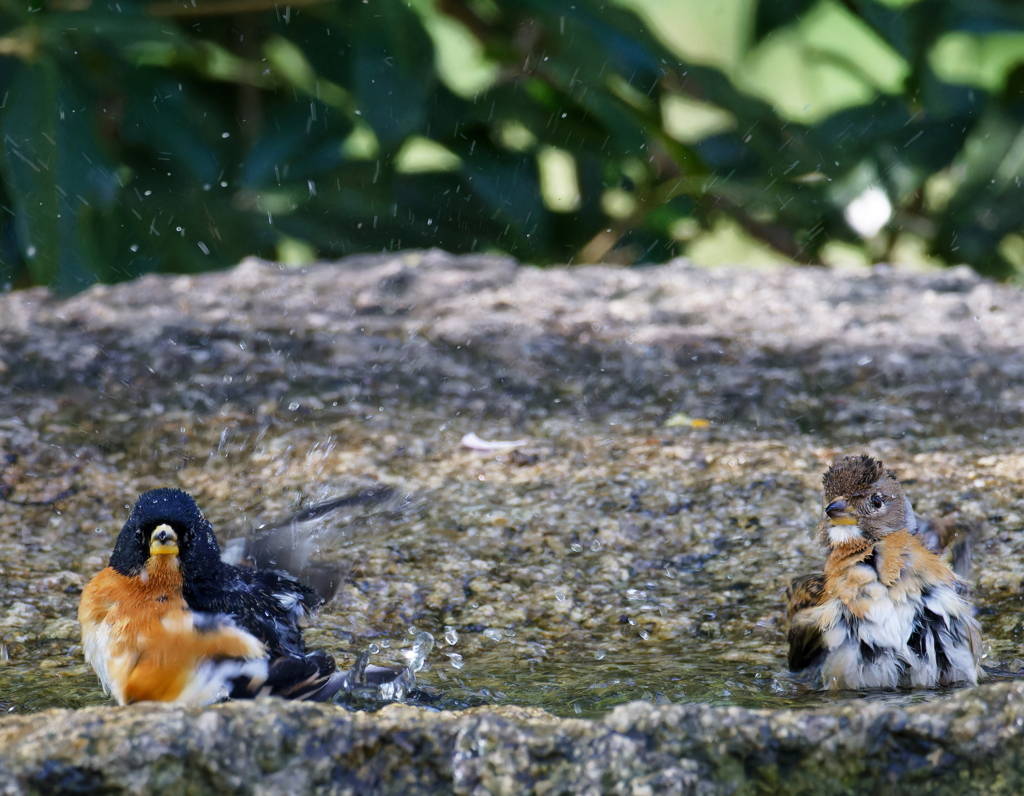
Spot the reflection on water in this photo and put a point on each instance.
(572, 687)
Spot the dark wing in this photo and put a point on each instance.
(953, 534)
(311, 677)
(267, 603)
(805, 642)
(288, 543)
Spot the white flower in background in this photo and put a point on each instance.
(869, 212)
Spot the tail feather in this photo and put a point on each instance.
(806, 645)
(311, 677)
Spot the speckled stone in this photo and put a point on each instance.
(970, 743)
(797, 349)
(612, 555)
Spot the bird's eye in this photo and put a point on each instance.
(876, 501)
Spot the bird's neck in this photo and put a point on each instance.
(886, 555)
(163, 572)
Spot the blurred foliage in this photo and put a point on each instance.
(182, 135)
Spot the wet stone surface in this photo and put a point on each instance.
(618, 552)
(969, 744)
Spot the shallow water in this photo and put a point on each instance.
(599, 562)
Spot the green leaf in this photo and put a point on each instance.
(774, 14)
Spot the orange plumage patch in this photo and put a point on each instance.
(140, 635)
(893, 555)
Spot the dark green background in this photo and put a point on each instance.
(175, 136)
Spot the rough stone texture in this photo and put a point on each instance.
(971, 743)
(601, 534)
(805, 349)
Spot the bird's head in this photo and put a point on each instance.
(863, 501)
(165, 522)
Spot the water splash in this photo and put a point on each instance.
(455, 660)
(421, 647)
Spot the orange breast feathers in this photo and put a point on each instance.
(140, 636)
(901, 564)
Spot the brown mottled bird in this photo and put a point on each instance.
(887, 612)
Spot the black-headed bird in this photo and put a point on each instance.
(887, 612)
(168, 620)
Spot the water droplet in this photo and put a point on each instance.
(374, 649)
(451, 637)
(493, 634)
(644, 635)
(455, 659)
(576, 547)
(596, 546)
(421, 647)
(559, 596)
(293, 406)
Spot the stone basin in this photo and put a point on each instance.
(621, 550)
(971, 743)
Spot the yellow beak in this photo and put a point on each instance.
(163, 541)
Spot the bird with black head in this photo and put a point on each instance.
(887, 612)
(169, 620)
